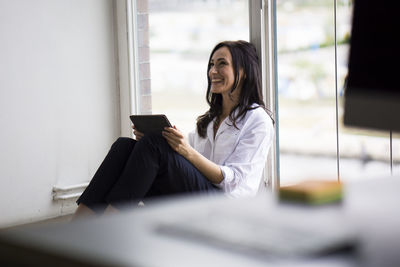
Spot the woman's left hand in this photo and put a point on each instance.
(177, 141)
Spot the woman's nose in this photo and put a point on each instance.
(213, 69)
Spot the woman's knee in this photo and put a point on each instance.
(153, 139)
(123, 142)
(154, 142)
(125, 139)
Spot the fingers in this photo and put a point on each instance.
(174, 138)
(137, 134)
(174, 131)
(173, 135)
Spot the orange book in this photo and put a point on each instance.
(312, 192)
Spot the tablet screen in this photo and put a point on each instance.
(150, 124)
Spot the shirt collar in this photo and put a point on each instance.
(224, 124)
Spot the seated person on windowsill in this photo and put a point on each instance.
(226, 153)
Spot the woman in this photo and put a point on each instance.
(226, 153)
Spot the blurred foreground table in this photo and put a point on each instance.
(217, 231)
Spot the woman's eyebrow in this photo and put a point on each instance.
(218, 59)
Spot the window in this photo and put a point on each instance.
(312, 41)
(163, 57)
(174, 41)
(181, 35)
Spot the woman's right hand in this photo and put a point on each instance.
(137, 134)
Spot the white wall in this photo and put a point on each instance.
(59, 103)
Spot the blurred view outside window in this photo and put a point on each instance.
(182, 34)
(308, 124)
(177, 36)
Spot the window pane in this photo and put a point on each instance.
(363, 153)
(396, 154)
(307, 99)
(182, 35)
(306, 89)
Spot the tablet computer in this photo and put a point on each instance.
(150, 124)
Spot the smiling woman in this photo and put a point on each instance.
(234, 80)
(226, 154)
(221, 72)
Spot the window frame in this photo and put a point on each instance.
(262, 16)
(128, 64)
(262, 30)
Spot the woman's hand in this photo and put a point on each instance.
(179, 144)
(137, 134)
(177, 141)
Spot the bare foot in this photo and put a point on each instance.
(83, 212)
(111, 210)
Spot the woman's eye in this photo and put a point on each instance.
(219, 64)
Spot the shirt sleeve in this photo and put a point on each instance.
(244, 167)
(191, 136)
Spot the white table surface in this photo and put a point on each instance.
(370, 209)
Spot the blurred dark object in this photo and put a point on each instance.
(372, 96)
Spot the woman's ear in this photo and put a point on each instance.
(242, 75)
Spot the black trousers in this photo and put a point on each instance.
(135, 170)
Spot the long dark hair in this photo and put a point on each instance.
(244, 57)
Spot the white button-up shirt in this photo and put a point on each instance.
(241, 153)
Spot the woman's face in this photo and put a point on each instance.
(221, 71)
